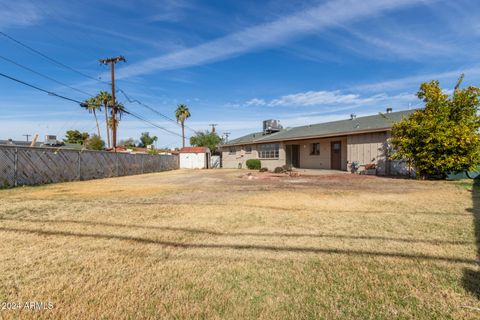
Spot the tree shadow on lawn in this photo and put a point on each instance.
(471, 277)
(150, 203)
(241, 246)
(239, 234)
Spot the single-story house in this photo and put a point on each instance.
(194, 158)
(358, 142)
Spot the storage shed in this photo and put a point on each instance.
(194, 158)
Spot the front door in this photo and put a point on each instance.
(336, 155)
(296, 155)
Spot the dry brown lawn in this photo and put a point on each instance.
(210, 244)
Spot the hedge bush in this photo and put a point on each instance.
(254, 164)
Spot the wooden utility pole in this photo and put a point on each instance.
(112, 62)
(213, 126)
(27, 135)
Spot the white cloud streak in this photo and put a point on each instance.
(332, 99)
(401, 83)
(18, 14)
(315, 19)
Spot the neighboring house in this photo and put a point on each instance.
(194, 158)
(338, 145)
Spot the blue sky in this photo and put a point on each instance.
(234, 63)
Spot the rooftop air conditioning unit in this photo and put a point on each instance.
(271, 126)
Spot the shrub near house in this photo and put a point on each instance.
(254, 164)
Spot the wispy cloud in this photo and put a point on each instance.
(416, 80)
(171, 10)
(334, 99)
(19, 14)
(315, 19)
(398, 43)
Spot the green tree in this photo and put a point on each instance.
(181, 114)
(207, 139)
(146, 139)
(75, 136)
(95, 143)
(92, 105)
(443, 137)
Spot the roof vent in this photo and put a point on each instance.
(389, 110)
(353, 116)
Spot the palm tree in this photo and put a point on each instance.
(105, 99)
(92, 106)
(182, 113)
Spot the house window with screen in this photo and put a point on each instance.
(268, 151)
(248, 149)
(232, 150)
(315, 149)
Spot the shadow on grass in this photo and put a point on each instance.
(239, 234)
(471, 277)
(241, 246)
(150, 203)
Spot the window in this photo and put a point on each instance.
(268, 151)
(314, 149)
(232, 150)
(248, 149)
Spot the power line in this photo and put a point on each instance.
(58, 63)
(151, 123)
(50, 93)
(130, 100)
(43, 75)
(80, 102)
(51, 60)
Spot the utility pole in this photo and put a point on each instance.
(213, 126)
(112, 62)
(226, 134)
(27, 135)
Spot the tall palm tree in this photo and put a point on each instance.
(182, 113)
(105, 99)
(92, 106)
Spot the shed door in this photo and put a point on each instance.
(336, 155)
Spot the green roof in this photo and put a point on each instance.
(341, 127)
